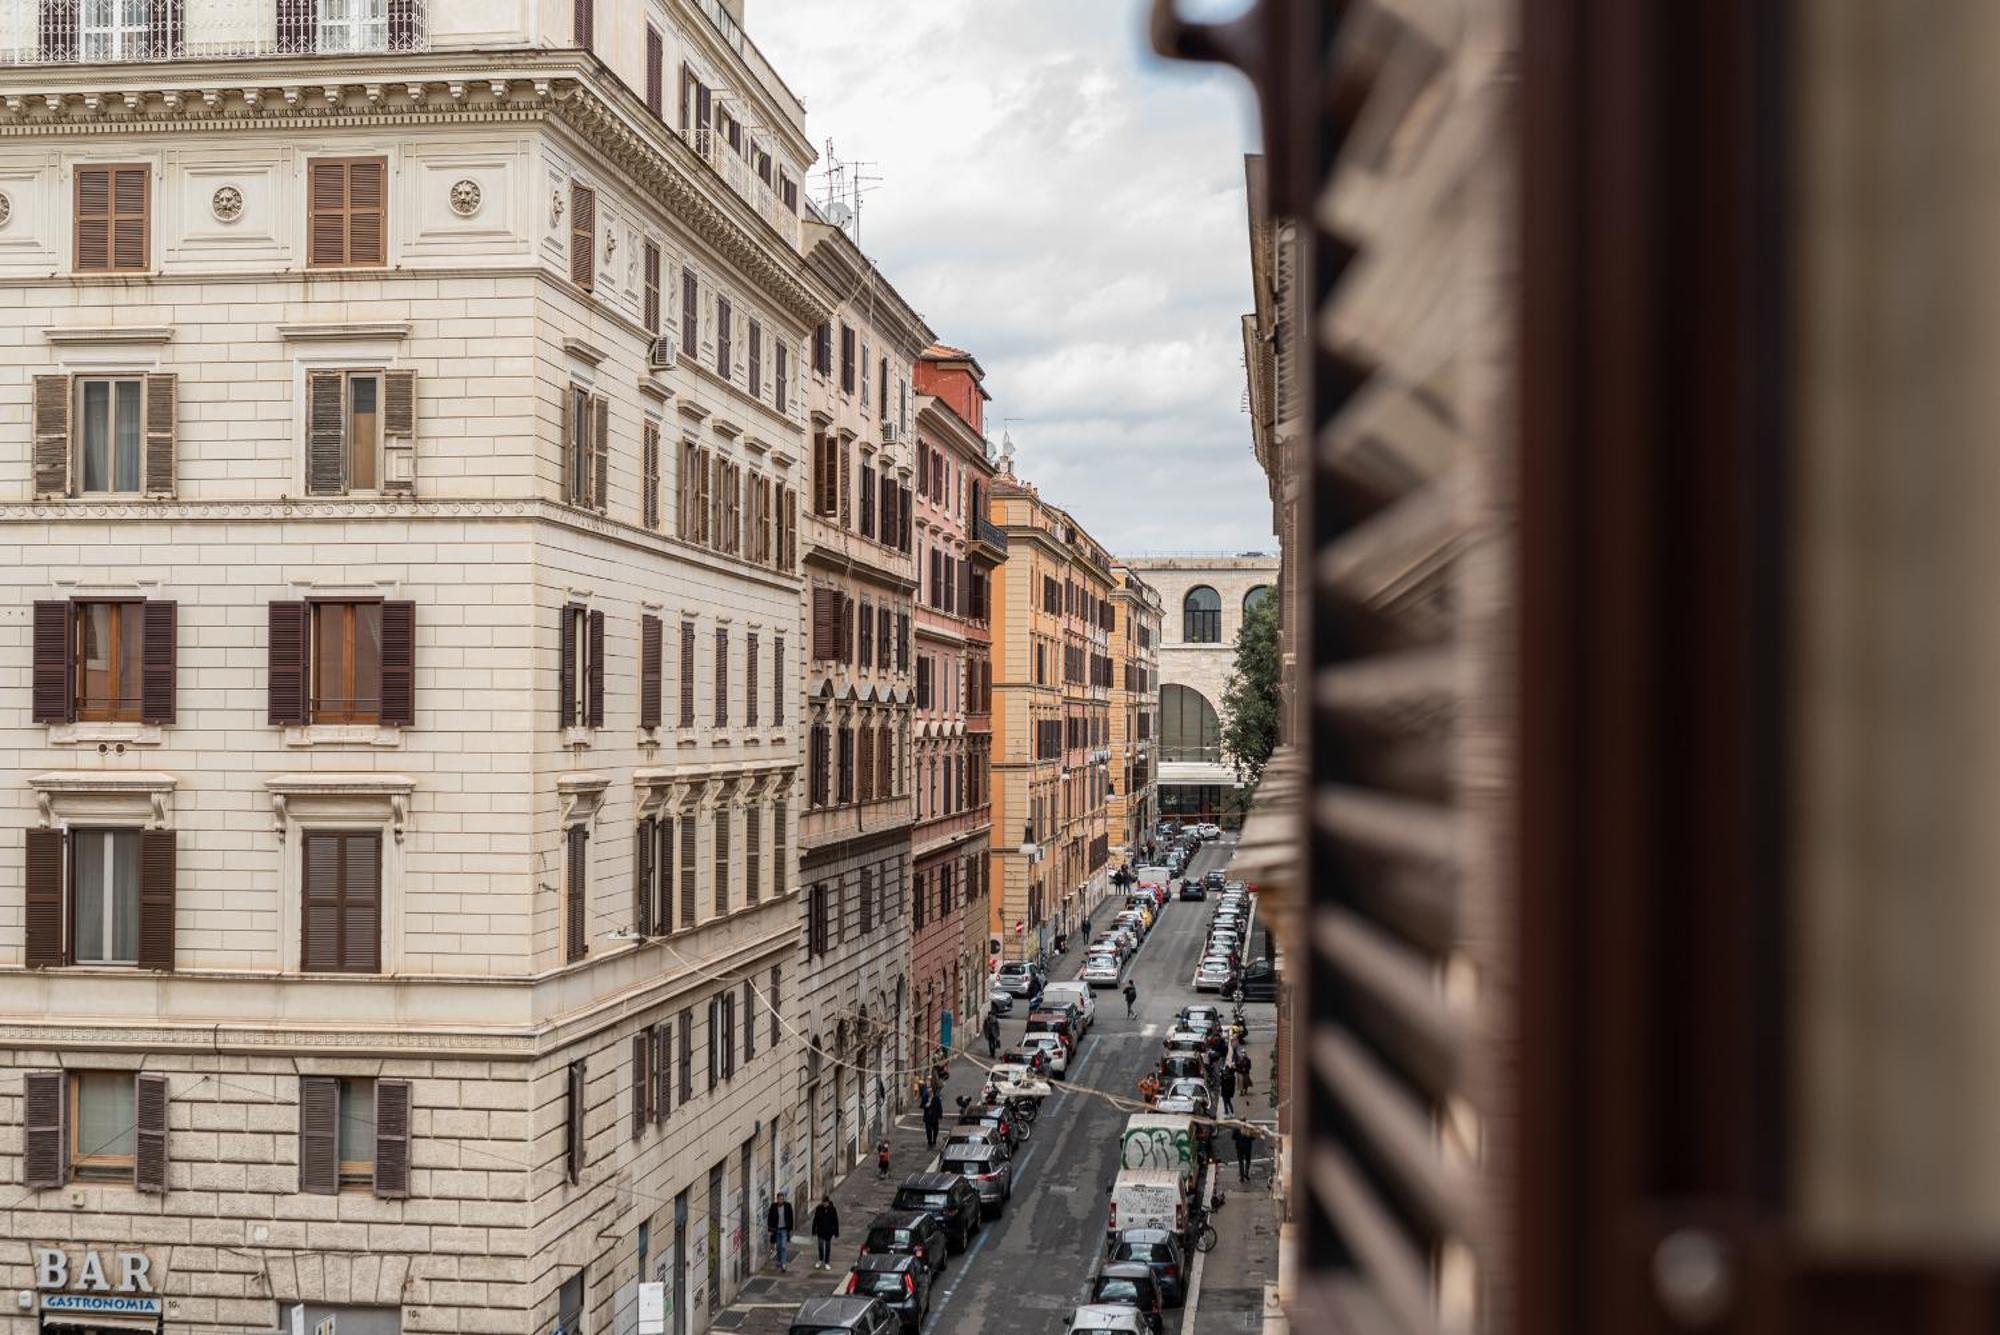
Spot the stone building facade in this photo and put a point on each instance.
(1202, 598)
(855, 835)
(1052, 616)
(400, 695)
(957, 550)
(1135, 711)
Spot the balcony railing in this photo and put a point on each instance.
(730, 165)
(51, 32)
(986, 531)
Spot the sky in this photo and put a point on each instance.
(1068, 208)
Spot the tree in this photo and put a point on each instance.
(1250, 701)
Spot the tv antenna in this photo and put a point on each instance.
(846, 183)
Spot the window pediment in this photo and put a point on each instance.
(136, 797)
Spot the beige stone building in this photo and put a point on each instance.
(1202, 597)
(401, 704)
(853, 1004)
(1135, 714)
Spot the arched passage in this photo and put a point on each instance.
(1189, 726)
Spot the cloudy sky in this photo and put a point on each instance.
(1070, 209)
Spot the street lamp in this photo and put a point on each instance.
(1029, 848)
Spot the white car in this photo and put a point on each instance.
(1099, 1317)
(1055, 1052)
(1011, 1080)
(1211, 831)
(1211, 975)
(1222, 941)
(1101, 971)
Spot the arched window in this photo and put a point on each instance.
(1189, 728)
(1256, 598)
(1201, 616)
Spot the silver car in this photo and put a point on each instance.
(986, 1165)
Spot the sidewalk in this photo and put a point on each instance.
(1244, 1264)
(767, 1300)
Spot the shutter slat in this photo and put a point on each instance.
(399, 663)
(392, 1139)
(319, 1135)
(53, 686)
(149, 1124)
(286, 649)
(43, 898)
(158, 871)
(44, 1129)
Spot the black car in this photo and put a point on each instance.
(900, 1283)
(843, 1316)
(1216, 879)
(1258, 981)
(1130, 1284)
(1193, 889)
(1161, 1250)
(917, 1233)
(948, 1196)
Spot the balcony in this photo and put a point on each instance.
(732, 167)
(986, 533)
(49, 32)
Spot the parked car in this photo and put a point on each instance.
(979, 1133)
(917, 1233)
(900, 1283)
(1057, 1022)
(948, 1196)
(1212, 974)
(843, 1316)
(1181, 1066)
(1019, 977)
(1186, 1096)
(1077, 995)
(987, 1167)
(1161, 1250)
(1011, 1080)
(1259, 981)
(1000, 1001)
(1102, 970)
(1130, 1283)
(1200, 1016)
(1107, 1317)
(998, 1117)
(1193, 889)
(1055, 1053)
(1215, 879)
(1182, 1040)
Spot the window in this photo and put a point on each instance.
(355, 1141)
(347, 212)
(581, 668)
(347, 662)
(104, 896)
(112, 435)
(788, 190)
(351, 25)
(822, 351)
(104, 1125)
(586, 441)
(110, 665)
(359, 426)
(113, 219)
(341, 916)
(1201, 616)
(342, 662)
(354, 1132)
(113, 29)
(582, 235)
(1189, 728)
(1256, 598)
(725, 324)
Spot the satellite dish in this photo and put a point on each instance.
(839, 214)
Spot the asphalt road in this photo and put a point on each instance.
(1033, 1265)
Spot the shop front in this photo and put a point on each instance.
(87, 1292)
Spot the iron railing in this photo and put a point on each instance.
(50, 32)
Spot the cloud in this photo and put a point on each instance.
(1069, 208)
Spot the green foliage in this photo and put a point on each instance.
(1250, 702)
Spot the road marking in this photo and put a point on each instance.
(1149, 1031)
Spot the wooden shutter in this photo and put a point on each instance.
(573, 1144)
(781, 879)
(112, 211)
(846, 628)
(361, 902)
(585, 24)
(158, 653)
(566, 669)
(687, 674)
(392, 1139)
(753, 855)
(751, 667)
(662, 1070)
(594, 687)
(582, 231)
(45, 1129)
(690, 871)
(319, 1135)
(687, 1056)
(824, 610)
(43, 899)
(756, 360)
(663, 859)
(326, 433)
(347, 212)
(399, 431)
(642, 1081)
(651, 663)
(53, 690)
(649, 483)
(399, 663)
(846, 485)
(721, 842)
(295, 26)
(722, 676)
(160, 414)
(158, 872)
(690, 312)
(149, 1125)
(600, 451)
(655, 92)
(287, 648)
(52, 443)
(576, 893)
(643, 874)
(778, 681)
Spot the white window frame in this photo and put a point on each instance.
(350, 26)
(82, 445)
(71, 890)
(118, 39)
(329, 802)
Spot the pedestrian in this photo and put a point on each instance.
(778, 1223)
(1131, 997)
(1245, 1144)
(1228, 1087)
(933, 1114)
(992, 1035)
(1243, 1068)
(882, 1159)
(826, 1227)
(1149, 1088)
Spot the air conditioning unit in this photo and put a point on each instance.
(889, 436)
(663, 354)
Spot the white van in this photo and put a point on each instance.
(1147, 1198)
(1075, 994)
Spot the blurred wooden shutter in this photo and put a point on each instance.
(594, 688)
(319, 1135)
(663, 857)
(600, 451)
(53, 689)
(643, 875)
(573, 1138)
(399, 663)
(399, 431)
(582, 231)
(642, 1081)
(689, 872)
(159, 656)
(326, 433)
(651, 669)
(45, 1129)
(392, 1139)
(576, 897)
(566, 665)
(149, 1126)
(655, 92)
(687, 674)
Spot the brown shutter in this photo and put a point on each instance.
(367, 211)
(751, 668)
(158, 657)
(287, 650)
(392, 1139)
(663, 858)
(566, 672)
(663, 1089)
(846, 489)
(149, 1124)
(651, 656)
(361, 903)
(160, 399)
(721, 676)
(687, 1056)
(643, 874)
(650, 480)
(780, 869)
(52, 448)
(43, 899)
(642, 1081)
(45, 1129)
(690, 871)
(655, 77)
(824, 611)
(319, 1135)
(778, 682)
(584, 23)
(326, 434)
(753, 854)
(846, 629)
(687, 674)
(575, 894)
(112, 219)
(399, 423)
(399, 663)
(569, 443)
(158, 872)
(573, 1145)
(347, 211)
(582, 231)
(600, 451)
(595, 685)
(53, 690)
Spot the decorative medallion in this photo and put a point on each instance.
(227, 203)
(6, 210)
(465, 197)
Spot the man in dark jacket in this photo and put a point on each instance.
(1246, 1144)
(1227, 1084)
(933, 1105)
(992, 1035)
(778, 1223)
(826, 1227)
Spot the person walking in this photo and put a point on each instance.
(992, 1035)
(882, 1159)
(826, 1227)
(1228, 1087)
(1242, 1064)
(778, 1224)
(1131, 997)
(933, 1105)
(1246, 1144)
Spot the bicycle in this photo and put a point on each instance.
(1201, 1233)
